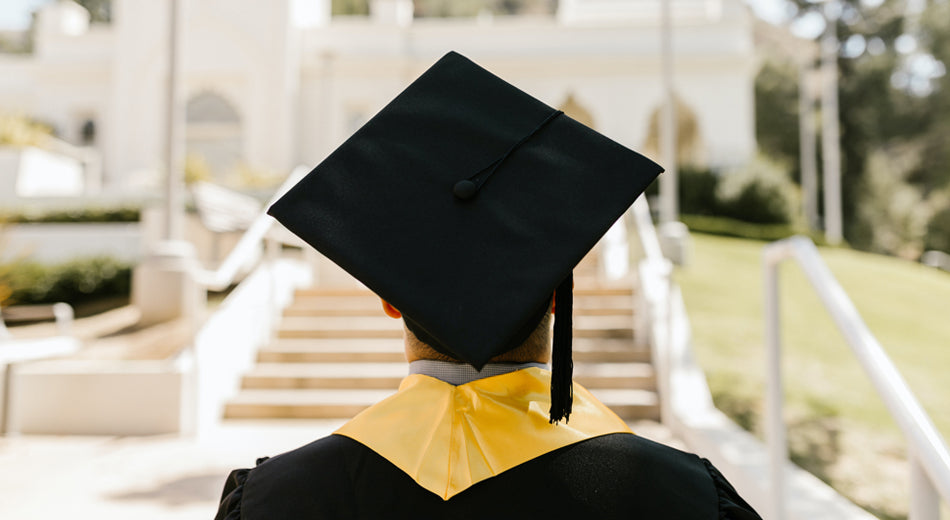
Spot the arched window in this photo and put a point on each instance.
(213, 134)
(689, 142)
(576, 111)
(87, 133)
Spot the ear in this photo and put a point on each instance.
(391, 311)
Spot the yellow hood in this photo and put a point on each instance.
(448, 437)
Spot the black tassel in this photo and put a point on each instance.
(562, 362)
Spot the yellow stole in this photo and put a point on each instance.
(448, 437)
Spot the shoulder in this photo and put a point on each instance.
(329, 452)
(631, 455)
(311, 478)
(639, 464)
(611, 472)
(680, 475)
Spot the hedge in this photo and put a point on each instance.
(736, 228)
(74, 282)
(120, 214)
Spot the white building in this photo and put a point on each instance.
(273, 84)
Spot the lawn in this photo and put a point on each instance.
(839, 427)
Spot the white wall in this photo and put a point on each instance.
(136, 112)
(49, 243)
(612, 69)
(32, 172)
(87, 397)
(298, 86)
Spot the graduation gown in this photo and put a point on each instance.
(481, 450)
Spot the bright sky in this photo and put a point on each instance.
(15, 14)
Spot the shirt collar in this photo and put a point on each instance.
(461, 373)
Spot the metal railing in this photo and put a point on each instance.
(62, 313)
(927, 452)
(226, 344)
(247, 249)
(657, 309)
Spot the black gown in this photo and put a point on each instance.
(618, 475)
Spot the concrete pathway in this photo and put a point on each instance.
(145, 478)
(149, 478)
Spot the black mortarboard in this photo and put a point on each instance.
(465, 203)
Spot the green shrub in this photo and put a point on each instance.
(759, 191)
(892, 214)
(697, 190)
(76, 281)
(5, 290)
(120, 214)
(728, 227)
(938, 231)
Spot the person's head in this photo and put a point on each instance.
(466, 189)
(536, 348)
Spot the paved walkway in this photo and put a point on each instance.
(148, 478)
(142, 478)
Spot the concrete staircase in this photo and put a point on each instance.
(336, 353)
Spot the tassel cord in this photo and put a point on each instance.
(562, 363)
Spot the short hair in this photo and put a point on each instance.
(536, 348)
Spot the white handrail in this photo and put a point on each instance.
(656, 312)
(247, 247)
(929, 458)
(647, 232)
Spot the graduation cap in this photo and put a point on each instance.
(466, 203)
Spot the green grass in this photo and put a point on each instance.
(838, 425)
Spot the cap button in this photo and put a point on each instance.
(464, 190)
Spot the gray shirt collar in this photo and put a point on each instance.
(461, 373)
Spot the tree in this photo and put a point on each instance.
(933, 172)
(883, 105)
(349, 7)
(776, 112)
(100, 11)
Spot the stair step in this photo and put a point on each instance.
(302, 404)
(365, 300)
(336, 353)
(366, 375)
(322, 292)
(607, 301)
(385, 327)
(581, 288)
(294, 350)
(308, 310)
(615, 375)
(604, 311)
(374, 323)
(277, 355)
(340, 327)
(338, 333)
(630, 404)
(297, 350)
(393, 333)
(312, 404)
(388, 375)
(359, 307)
